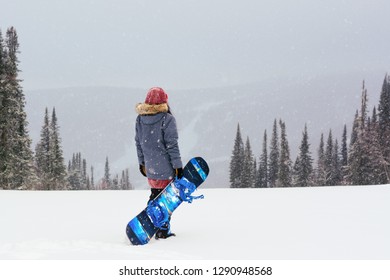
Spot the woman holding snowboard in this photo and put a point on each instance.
(156, 139)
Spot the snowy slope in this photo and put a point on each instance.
(296, 223)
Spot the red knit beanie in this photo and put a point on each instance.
(156, 95)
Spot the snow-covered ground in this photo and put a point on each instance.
(279, 224)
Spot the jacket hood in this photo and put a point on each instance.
(151, 113)
(151, 109)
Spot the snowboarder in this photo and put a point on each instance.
(156, 139)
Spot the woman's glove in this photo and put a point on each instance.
(142, 170)
(179, 173)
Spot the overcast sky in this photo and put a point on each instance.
(195, 43)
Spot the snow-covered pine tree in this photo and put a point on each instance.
(355, 127)
(128, 185)
(237, 161)
(4, 149)
(273, 166)
(303, 167)
(115, 183)
(73, 175)
(344, 156)
(255, 172)
(320, 171)
(84, 175)
(124, 183)
(374, 151)
(329, 169)
(344, 148)
(16, 167)
(336, 165)
(285, 164)
(88, 183)
(248, 172)
(107, 183)
(58, 169)
(262, 173)
(49, 160)
(77, 176)
(358, 172)
(384, 127)
(364, 109)
(42, 155)
(92, 178)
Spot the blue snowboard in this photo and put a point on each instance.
(142, 227)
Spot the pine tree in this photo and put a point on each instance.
(344, 148)
(73, 174)
(4, 150)
(255, 172)
(88, 183)
(355, 126)
(128, 185)
(344, 155)
(42, 154)
(364, 100)
(237, 161)
(58, 169)
(320, 172)
(358, 172)
(248, 175)
(107, 183)
(303, 167)
(16, 167)
(124, 183)
(374, 152)
(84, 175)
(285, 164)
(49, 160)
(78, 173)
(384, 128)
(273, 166)
(115, 183)
(336, 165)
(92, 178)
(329, 176)
(262, 174)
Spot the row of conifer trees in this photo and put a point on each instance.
(52, 172)
(361, 159)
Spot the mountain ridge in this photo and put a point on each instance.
(98, 121)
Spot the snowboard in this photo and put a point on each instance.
(142, 227)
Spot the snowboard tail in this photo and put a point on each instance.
(142, 227)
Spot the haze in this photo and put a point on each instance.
(195, 44)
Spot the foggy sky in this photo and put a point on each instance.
(195, 43)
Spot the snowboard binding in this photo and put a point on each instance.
(158, 215)
(186, 188)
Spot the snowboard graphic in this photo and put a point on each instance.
(142, 227)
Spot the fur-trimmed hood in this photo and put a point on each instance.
(151, 109)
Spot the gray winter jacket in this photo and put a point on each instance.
(156, 139)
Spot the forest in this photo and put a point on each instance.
(363, 158)
(44, 169)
